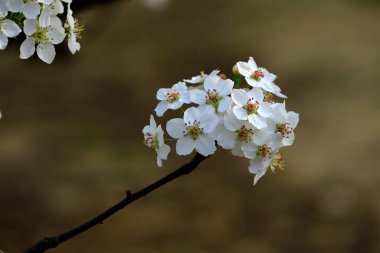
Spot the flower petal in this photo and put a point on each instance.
(244, 68)
(31, 10)
(175, 128)
(30, 26)
(240, 113)
(161, 108)
(239, 96)
(185, 146)
(28, 47)
(3, 41)
(257, 121)
(10, 28)
(198, 96)
(224, 104)
(265, 110)
(226, 139)
(208, 122)
(191, 115)
(205, 145)
(46, 52)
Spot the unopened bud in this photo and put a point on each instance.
(223, 76)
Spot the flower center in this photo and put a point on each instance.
(213, 96)
(40, 35)
(283, 129)
(269, 97)
(251, 106)
(278, 163)
(172, 96)
(257, 75)
(244, 134)
(151, 141)
(263, 151)
(193, 131)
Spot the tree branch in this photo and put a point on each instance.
(52, 242)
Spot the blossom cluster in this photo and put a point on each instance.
(39, 21)
(216, 111)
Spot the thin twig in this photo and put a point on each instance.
(52, 242)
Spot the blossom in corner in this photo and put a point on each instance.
(154, 138)
(241, 136)
(250, 106)
(200, 78)
(74, 31)
(194, 131)
(171, 98)
(8, 29)
(215, 93)
(283, 123)
(44, 37)
(259, 77)
(265, 156)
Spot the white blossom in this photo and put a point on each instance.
(200, 78)
(193, 131)
(154, 138)
(8, 29)
(250, 106)
(259, 77)
(171, 98)
(215, 93)
(44, 37)
(73, 44)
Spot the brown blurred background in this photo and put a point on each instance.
(71, 141)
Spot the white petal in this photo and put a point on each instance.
(198, 96)
(224, 104)
(239, 96)
(175, 105)
(44, 20)
(46, 52)
(161, 93)
(211, 83)
(55, 36)
(164, 151)
(208, 122)
(225, 87)
(175, 128)
(240, 113)
(31, 10)
(293, 119)
(258, 121)
(249, 150)
(226, 139)
(3, 41)
(152, 122)
(244, 69)
(260, 137)
(185, 146)
(30, 26)
(288, 140)
(252, 64)
(15, 5)
(257, 94)
(10, 28)
(205, 145)
(236, 151)
(28, 47)
(191, 115)
(265, 110)
(231, 122)
(161, 108)
(74, 46)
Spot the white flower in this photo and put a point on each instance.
(154, 138)
(3, 8)
(193, 131)
(200, 78)
(215, 93)
(250, 105)
(50, 11)
(44, 37)
(8, 29)
(283, 123)
(171, 98)
(264, 157)
(74, 30)
(241, 136)
(259, 77)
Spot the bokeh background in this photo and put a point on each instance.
(71, 141)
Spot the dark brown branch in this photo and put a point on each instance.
(53, 242)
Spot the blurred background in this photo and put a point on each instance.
(71, 141)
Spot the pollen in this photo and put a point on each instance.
(263, 151)
(283, 129)
(213, 96)
(244, 134)
(251, 107)
(257, 75)
(172, 96)
(193, 131)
